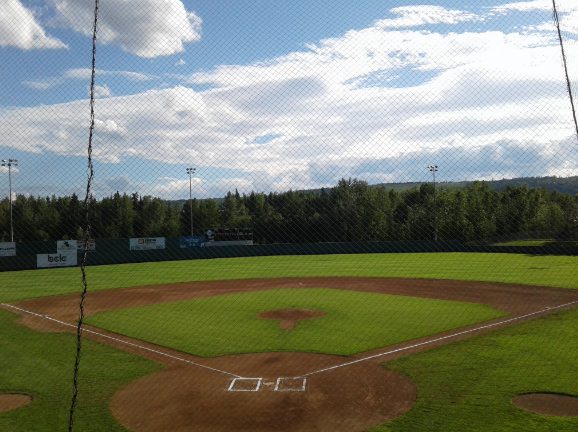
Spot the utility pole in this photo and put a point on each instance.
(433, 169)
(10, 163)
(190, 172)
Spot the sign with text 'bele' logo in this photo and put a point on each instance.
(58, 259)
(7, 249)
(146, 243)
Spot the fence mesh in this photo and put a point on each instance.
(299, 215)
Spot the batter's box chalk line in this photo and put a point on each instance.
(290, 384)
(281, 384)
(245, 384)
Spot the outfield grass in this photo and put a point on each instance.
(537, 242)
(40, 364)
(468, 386)
(556, 271)
(229, 324)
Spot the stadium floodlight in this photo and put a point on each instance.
(433, 169)
(190, 172)
(10, 163)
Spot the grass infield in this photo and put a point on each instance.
(555, 271)
(229, 324)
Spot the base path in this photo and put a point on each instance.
(184, 397)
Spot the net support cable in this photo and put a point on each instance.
(87, 230)
(88, 199)
(565, 62)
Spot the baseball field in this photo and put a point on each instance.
(377, 342)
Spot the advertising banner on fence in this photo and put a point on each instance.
(66, 246)
(90, 245)
(146, 243)
(191, 242)
(58, 259)
(7, 249)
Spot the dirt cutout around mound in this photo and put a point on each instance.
(289, 318)
(12, 401)
(184, 397)
(551, 404)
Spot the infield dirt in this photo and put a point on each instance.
(183, 397)
(12, 401)
(548, 404)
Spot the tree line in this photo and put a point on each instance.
(350, 211)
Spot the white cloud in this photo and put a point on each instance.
(181, 62)
(43, 84)
(414, 16)
(19, 28)
(85, 74)
(476, 103)
(146, 28)
(101, 91)
(534, 5)
(567, 10)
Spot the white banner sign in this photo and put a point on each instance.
(59, 259)
(147, 243)
(66, 245)
(7, 249)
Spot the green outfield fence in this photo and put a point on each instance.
(116, 251)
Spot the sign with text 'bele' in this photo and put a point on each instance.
(58, 259)
(7, 249)
(146, 243)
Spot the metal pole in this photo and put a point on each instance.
(9, 163)
(435, 207)
(433, 169)
(191, 199)
(10, 199)
(190, 172)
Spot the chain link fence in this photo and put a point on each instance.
(258, 172)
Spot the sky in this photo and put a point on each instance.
(267, 95)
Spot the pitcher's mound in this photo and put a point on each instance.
(289, 318)
(548, 404)
(9, 402)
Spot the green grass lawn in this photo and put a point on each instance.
(40, 364)
(229, 324)
(558, 271)
(468, 386)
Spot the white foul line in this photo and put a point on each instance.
(120, 340)
(428, 342)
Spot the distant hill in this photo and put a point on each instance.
(566, 185)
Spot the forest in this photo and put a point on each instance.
(353, 210)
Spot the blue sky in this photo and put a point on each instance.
(269, 95)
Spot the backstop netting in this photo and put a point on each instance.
(288, 216)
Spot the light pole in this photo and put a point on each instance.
(190, 172)
(10, 163)
(433, 169)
